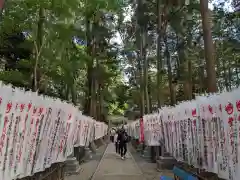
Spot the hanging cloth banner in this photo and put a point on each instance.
(38, 131)
(204, 133)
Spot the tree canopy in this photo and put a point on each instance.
(166, 51)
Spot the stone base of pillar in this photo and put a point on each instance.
(165, 162)
(72, 166)
(93, 147)
(146, 153)
(88, 154)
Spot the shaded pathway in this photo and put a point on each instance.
(148, 168)
(88, 167)
(112, 167)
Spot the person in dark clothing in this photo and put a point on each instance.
(112, 135)
(123, 139)
(116, 142)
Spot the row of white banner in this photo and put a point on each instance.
(204, 132)
(38, 131)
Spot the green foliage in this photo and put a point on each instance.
(185, 44)
(63, 63)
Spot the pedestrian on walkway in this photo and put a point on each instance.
(116, 142)
(112, 135)
(123, 139)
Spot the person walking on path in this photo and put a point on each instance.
(123, 139)
(112, 135)
(116, 142)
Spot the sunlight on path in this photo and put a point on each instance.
(112, 167)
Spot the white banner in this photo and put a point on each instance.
(37, 131)
(204, 132)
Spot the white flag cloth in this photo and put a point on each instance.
(37, 131)
(204, 132)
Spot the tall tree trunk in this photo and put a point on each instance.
(208, 47)
(98, 103)
(87, 104)
(100, 100)
(140, 55)
(236, 69)
(73, 93)
(159, 52)
(225, 75)
(90, 104)
(38, 47)
(190, 79)
(170, 77)
(202, 77)
(145, 72)
(185, 81)
(146, 93)
(230, 74)
(141, 76)
(94, 91)
(98, 91)
(67, 92)
(187, 84)
(184, 71)
(95, 75)
(218, 66)
(150, 93)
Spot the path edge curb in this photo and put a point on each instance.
(99, 164)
